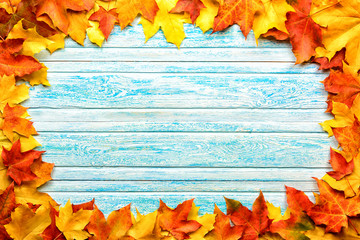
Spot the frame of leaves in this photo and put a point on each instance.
(322, 31)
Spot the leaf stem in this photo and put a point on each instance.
(347, 180)
(353, 226)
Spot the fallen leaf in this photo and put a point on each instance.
(205, 21)
(120, 221)
(106, 19)
(335, 63)
(207, 223)
(78, 23)
(192, 7)
(144, 226)
(52, 232)
(98, 226)
(7, 205)
(340, 166)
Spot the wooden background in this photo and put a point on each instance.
(135, 122)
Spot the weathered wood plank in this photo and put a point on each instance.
(176, 186)
(144, 90)
(134, 37)
(186, 149)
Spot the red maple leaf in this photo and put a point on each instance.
(255, 222)
(106, 19)
(192, 7)
(19, 163)
(341, 167)
(335, 63)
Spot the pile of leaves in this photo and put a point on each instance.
(322, 31)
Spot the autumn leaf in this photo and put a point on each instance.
(14, 121)
(16, 64)
(275, 213)
(57, 10)
(192, 7)
(78, 23)
(176, 220)
(128, 10)
(27, 225)
(241, 12)
(223, 229)
(144, 226)
(98, 226)
(349, 137)
(28, 193)
(170, 24)
(106, 19)
(277, 34)
(255, 222)
(42, 170)
(52, 232)
(19, 163)
(72, 224)
(7, 205)
(207, 222)
(10, 93)
(341, 28)
(85, 206)
(38, 77)
(342, 87)
(341, 167)
(273, 17)
(205, 21)
(335, 63)
(120, 221)
(349, 184)
(305, 34)
(332, 208)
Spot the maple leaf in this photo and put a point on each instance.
(12, 64)
(7, 205)
(305, 34)
(98, 226)
(349, 137)
(332, 208)
(170, 24)
(241, 12)
(275, 213)
(144, 226)
(120, 221)
(192, 7)
(339, 33)
(14, 122)
(342, 87)
(10, 93)
(223, 229)
(106, 19)
(176, 220)
(335, 63)
(205, 21)
(18, 163)
(277, 34)
(298, 223)
(255, 222)
(85, 206)
(72, 224)
(57, 10)
(95, 34)
(27, 225)
(273, 17)
(207, 222)
(349, 184)
(42, 170)
(52, 232)
(78, 23)
(341, 167)
(28, 193)
(128, 10)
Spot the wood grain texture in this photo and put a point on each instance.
(135, 122)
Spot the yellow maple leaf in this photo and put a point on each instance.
(78, 25)
(205, 20)
(275, 213)
(95, 34)
(272, 16)
(58, 42)
(28, 193)
(207, 223)
(343, 116)
(170, 24)
(11, 93)
(339, 33)
(34, 42)
(72, 224)
(144, 226)
(26, 143)
(27, 225)
(38, 77)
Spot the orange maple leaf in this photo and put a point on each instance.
(56, 10)
(19, 163)
(175, 221)
(255, 222)
(332, 208)
(349, 137)
(241, 12)
(192, 7)
(13, 122)
(106, 19)
(12, 63)
(7, 205)
(340, 165)
(98, 226)
(305, 34)
(335, 63)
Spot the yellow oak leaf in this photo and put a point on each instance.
(78, 25)
(205, 20)
(349, 184)
(343, 116)
(38, 77)
(272, 16)
(27, 225)
(72, 224)
(11, 93)
(95, 34)
(143, 226)
(34, 42)
(339, 33)
(275, 213)
(170, 24)
(207, 223)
